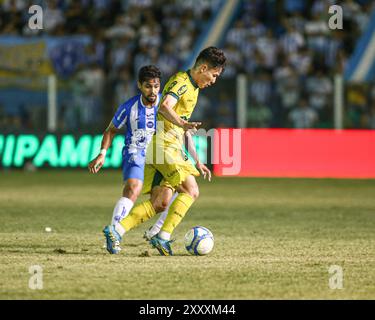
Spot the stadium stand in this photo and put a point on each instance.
(284, 47)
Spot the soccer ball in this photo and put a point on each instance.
(199, 241)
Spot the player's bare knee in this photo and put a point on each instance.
(159, 205)
(132, 191)
(159, 208)
(164, 205)
(160, 198)
(194, 193)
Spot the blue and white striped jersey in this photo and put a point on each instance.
(139, 122)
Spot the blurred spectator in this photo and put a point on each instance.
(121, 53)
(356, 106)
(257, 29)
(333, 47)
(288, 87)
(292, 40)
(236, 61)
(121, 29)
(301, 60)
(258, 116)
(294, 6)
(11, 17)
(320, 89)
(145, 56)
(303, 116)
(168, 62)
(237, 34)
(260, 88)
(350, 9)
(267, 47)
(224, 112)
(363, 17)
(10, 5)
(52, 16)
(95, 51)
(125, 87)
(75, 16)
(320, 7)
(87, 97)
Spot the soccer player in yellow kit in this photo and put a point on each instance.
(172, 171)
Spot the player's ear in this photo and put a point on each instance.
(139, 85)
(203, 68)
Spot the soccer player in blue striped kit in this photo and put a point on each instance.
(138, 117)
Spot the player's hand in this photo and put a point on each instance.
(96, 164)
(204, 170)
(193, 131)
(191, 125)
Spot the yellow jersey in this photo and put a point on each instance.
(185, 90)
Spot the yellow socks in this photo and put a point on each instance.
(144, 211)
(140, 213)
(176, 212)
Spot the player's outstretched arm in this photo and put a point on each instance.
(166, 110)
(193, 152)
(108, 135)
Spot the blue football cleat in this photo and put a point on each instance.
(113, 239)
(163, 246)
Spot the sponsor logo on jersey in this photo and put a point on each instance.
(150, 124)
(172, 85)
(182, 90)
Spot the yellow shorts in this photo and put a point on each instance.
(153, 178)
(170, 170)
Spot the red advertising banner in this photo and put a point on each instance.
(294, 153)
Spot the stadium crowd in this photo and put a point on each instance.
(291, 57)
(284, 47)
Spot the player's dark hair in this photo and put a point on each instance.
(213, 56)
(148, 72)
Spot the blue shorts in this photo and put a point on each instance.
(133, 166)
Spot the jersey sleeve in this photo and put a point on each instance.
(177, 88)
(119, 119)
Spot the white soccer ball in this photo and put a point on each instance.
(199, 241)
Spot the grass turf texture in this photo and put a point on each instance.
(274, 239)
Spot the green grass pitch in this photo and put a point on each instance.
(274, 239)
